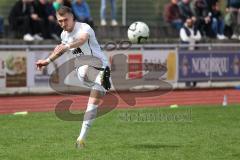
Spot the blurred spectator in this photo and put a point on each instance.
(67, 3)
(211, 3)
(58, 3)
(185, 10)
(103, 13)
(189, 34)
(217, 22)
(46, 14)
(1, 26)
(24, 21)
(203, 16)
(54, 27)
(172, 15)
(233, 8)
(82, 12)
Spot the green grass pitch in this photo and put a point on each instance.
(184, 133)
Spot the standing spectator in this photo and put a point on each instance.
(172, 15)
(24, 21)
(189, 34)
(217, 22)
(1, 26)
(103, 13)
(203, 16)
(233, 7)
(45, 12)
(82, 12)
(185, 10)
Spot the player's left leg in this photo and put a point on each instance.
(89, 116)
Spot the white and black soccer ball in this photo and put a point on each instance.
(138, 32)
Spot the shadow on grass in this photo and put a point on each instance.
(155, 146)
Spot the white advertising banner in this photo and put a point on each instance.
(18, 68)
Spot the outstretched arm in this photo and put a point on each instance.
(58, 51)
(61, 49)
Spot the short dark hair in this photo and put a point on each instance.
(63, 10)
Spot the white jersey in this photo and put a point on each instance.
(90, 47)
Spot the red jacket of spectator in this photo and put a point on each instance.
(171, 12)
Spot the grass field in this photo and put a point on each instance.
(193, 133)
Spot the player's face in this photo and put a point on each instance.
(66, 22)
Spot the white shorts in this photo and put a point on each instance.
(90, 77)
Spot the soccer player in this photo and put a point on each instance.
(80, 39)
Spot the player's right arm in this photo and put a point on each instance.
(58, 51)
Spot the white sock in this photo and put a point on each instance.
(89, 117)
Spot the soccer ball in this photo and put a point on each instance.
(138, 32)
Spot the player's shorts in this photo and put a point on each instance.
(91, 77)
